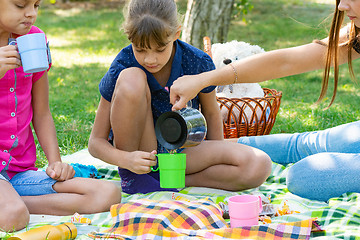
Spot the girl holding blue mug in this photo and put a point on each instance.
(24, 100)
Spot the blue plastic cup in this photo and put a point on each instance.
(33, 52)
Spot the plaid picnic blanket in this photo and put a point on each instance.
(340, 217)
(202, 219)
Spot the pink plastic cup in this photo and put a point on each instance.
(244, 210)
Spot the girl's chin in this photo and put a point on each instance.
(21, 32)
(153, 70)
(356, 23)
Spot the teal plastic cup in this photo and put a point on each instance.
(171, 169)
(33, 52)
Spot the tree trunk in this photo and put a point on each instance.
(207, 18)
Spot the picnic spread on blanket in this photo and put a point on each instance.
(202, 213)
(201, 219)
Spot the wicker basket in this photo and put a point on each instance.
(247, 116)
(250, 116)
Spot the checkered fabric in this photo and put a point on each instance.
(149, 219)
(340, 217)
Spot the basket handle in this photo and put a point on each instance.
(207, 45)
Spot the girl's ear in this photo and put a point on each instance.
(178, 32)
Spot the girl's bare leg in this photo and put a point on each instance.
(13, 212)
(226, 165)
(82, 195)
(131, 115)
(132, 123)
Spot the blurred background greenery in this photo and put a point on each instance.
(85, 36)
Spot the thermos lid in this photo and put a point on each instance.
(171, 130)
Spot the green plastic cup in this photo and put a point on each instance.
(171, 169)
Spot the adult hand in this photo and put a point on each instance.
(141, 162)
(9, 59)
(60, 171)
(183, 90)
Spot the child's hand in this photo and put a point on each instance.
(141, 162)
(60, 171)
(9, 59)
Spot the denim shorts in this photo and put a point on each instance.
(3, 178)
(33, 183)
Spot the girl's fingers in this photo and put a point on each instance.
(152, 162)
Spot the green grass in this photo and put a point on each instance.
(84, 43)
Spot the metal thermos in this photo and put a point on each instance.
(63, 231)
(180, 129)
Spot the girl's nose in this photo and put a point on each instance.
(343, 5)
(31, 11)
(149, 59)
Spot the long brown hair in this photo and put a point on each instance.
(332, 56)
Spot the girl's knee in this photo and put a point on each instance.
(112, 193)
(106, 194)
(314, 177)
(262, 170)
(131, 81)
(294, 180)
(265, 165)
(323, 176)
(14, 217)
(299, 182)
(254, 168)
